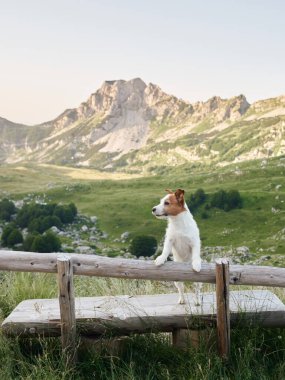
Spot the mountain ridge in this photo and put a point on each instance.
(134, 126)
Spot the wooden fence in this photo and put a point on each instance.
(67, 265)
(92, 265)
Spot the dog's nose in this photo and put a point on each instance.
(153, 210)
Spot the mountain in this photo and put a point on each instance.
(132, 126)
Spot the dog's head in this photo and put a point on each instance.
(171, 205)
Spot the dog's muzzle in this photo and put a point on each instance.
(158, 216)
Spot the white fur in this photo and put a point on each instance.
(182, 239)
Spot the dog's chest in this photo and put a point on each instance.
(186, 231)
(181, 240)
(183, 236)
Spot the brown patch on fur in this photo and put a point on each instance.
(179, 193)
(176, 206)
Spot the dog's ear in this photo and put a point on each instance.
(169, 191)
(179, 194)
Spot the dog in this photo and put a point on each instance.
(182, 237)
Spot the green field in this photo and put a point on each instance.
(124, 204)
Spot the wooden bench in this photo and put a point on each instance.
(96, 316)
(122, 315)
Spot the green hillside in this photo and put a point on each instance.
(125, 204)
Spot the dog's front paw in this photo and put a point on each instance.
(181, 301)
(159, 260)
(196, 265)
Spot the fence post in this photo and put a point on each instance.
(67, 308)
(223, 310)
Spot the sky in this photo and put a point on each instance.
(55, 53)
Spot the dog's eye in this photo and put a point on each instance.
(166, 203)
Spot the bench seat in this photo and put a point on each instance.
(125, 314)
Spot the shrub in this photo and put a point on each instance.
(42, 224)
(73, 209)
(219, 199)
(197, 199)
(47, 216)
(38, 244)
(234, 199)
(29, 212)
(45, 243)
(226, 200)
(15, 237)
(52, 242)
(66, 213)
(50, 221)
(35, 225)
(143, 246)
(204, 215)
(7, 209)
(28, 242)
(5, 234)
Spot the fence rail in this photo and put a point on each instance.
(91, 265)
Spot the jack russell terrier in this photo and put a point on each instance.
(182, 237)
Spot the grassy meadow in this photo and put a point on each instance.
(123, 203)
(255, 353)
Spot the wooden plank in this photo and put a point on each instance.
(180, 338)
(183, 338)
(126, 314)
(223, 307)
(67, 307)
(92, 265)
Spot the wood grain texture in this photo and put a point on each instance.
(92, 265)
(126, 314)
(223, 307)
(67, 307)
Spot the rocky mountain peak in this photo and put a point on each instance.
(221, 109)
(117, 94)
(133, 123)
(118, 97)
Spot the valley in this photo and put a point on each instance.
(122, 203)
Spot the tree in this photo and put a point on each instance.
(28, 242)
(5, 234)
(219, 199)
(38, 244)
(7, 209)
(15, 237)
(48, 242)
(42, 224)
(52, 242)
(35, 225)
(27, 213)
(50, 221)
(66, 213)
(47, 215)
(143, 246)
(200, 196)
(197, 199)
(73, 209)
(226, 200)
(234, 199)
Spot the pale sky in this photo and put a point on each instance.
(55, 53)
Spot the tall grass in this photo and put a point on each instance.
(256, 353)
